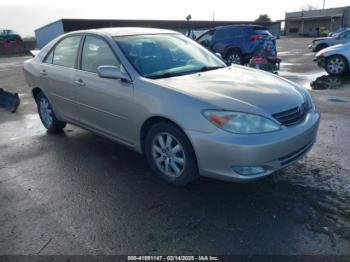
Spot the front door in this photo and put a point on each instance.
(104, 104)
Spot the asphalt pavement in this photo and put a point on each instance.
(78, 193)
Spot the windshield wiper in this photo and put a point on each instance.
(168, 74)
(165, 75)
(208, 68)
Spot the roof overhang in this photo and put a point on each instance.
(301, 18)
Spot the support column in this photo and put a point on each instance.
(302, 27)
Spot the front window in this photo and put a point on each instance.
(345, 35)
(96, 52)
(206, 39)
(167, 55)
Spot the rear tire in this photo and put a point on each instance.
(234, 57)
(47, 116)
(170, 154)
(336, 65)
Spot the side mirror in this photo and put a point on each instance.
(113, 72)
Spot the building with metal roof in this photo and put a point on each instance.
(309, 23)
(50, 31)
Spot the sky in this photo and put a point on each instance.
(24, 16)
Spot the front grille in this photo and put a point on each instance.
(295, 155)
(292, 116)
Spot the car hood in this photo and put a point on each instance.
(337, 48)
(322, 38)
(239, 88)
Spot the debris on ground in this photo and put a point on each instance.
(9, 101)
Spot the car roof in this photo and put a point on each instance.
(242, 25)
(125, 31)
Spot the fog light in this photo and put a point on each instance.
(248, 170)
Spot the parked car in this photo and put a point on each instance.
(162, 94)
(339, 30)
(320, 43)
(335, 59)
(238, 43)
(9, 36)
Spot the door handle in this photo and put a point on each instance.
(43, 72)
(79, 82)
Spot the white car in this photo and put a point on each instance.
(335, 59)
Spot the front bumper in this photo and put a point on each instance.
(312, 47)
(217, 153)
(321, 61)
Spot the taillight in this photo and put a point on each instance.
(255, 37)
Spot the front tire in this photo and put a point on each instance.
(170, 154)
(336, 65)
(320, 47)
(47, 116)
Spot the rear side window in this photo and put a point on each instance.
(96, 52)
(66, 51)
(224, 34)
(262, 32)
(229, 33)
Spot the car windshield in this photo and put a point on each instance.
(167, 55)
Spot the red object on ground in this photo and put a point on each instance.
(258, 60)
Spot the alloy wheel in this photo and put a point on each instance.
(168, 154)
(336, 65)
(46, 111)
(234, 59)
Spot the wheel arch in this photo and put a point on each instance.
(146, 126)
(319, 45)
(343, 56)
(230, 49)
(36, 91)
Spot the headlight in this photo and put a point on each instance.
(241, 123)
(308, 98)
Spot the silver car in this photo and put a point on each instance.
(335, 59)
(321, 43)
(163, 95)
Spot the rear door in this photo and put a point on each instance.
(226, 38)
(57, 76)
(103, 104)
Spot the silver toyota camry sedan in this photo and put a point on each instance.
(163, 95)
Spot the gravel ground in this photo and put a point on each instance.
(78, 193)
